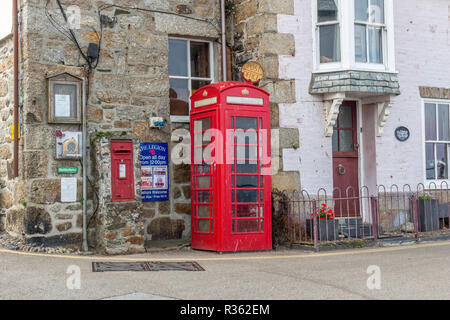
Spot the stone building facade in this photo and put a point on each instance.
(129, 86)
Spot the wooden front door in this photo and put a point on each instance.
(345, 161)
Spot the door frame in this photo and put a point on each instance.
(360, 142)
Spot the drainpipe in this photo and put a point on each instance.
(84, 147)
(16, 89)
(224, 43)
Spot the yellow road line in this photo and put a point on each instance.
(234, 258)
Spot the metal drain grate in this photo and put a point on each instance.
(146, 266)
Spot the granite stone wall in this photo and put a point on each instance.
(129, 85)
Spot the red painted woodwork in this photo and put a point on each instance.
(122, 173)
(346, 161)
(231, 182)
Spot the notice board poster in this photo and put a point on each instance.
(155, 171)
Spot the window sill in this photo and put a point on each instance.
(180, 119)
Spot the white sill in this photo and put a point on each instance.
(182, 119)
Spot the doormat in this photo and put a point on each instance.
(146, 266)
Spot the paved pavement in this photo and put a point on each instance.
(407, 272)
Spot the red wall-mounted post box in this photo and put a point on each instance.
(122, 173)
(230, 168)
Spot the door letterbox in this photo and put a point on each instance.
(122, 173)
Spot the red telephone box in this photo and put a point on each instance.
(230, 170)
(122, 173)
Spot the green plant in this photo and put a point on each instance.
(100, 134)
(23, 202)
(425, 197)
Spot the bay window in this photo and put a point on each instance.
(329, 30)
(369, 30)
(354, 34)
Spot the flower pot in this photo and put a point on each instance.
(428, 215)
(328, 229)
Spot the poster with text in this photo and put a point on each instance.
(155, 171)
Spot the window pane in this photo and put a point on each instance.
(335, 141)
(361, 10)
(178, 58)
(360, 43)
(375, 45)
(346, 140)
(430, 121)
(441, 161)
(200, 60)
(179, 97)
(377, 11)
(327, 10)
(345, 117)
(197, 84)
(330, 50)
(443, 122)
(431, 173)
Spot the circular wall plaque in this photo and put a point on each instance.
(252, 72)
(402, 134)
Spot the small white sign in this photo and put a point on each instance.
(68, 189)
(62, 106)
(122, 171)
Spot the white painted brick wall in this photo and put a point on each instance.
(422, 43)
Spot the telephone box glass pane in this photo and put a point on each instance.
(247, 181)
(203, 182)
(247, 211)
(247, 167)
(201, 125)
(203, 226)
(203, 196)
(247, 226)
(243, 196)
(246, 123)
(203, 211)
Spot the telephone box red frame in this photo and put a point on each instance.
(239, 224)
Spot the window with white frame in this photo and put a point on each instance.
(437, 139)
(370, 31)
(329, 33)
(354, 34)
(190, 68)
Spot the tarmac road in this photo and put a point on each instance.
(408, 272)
